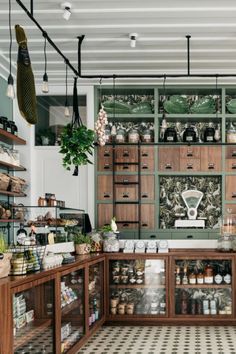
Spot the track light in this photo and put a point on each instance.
(45, 88)
(10, 82)
(133, 37)
(66, 6)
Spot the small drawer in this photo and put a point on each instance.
(127, 213)
(105, 213)
(177, 235)
(126, 154)
(231, 152)
(190, 152)
(168, 159)
(129, 193)
(105, 164)
(104, 188)
(230, 165)
(126, 179)
(147, 152)
(148, 219)
(147, 188)
(211, 158)
(125, 167)
(146, 165)
(149, 235)
(190, 164)
(230, 188)
(104, 151)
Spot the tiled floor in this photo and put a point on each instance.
(162, 340)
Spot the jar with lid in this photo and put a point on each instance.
(231, 133)
(108, 137)
(170, 135)
(42, 202)
(133, 135)
(8, 126)
(120, 135)
(147, 136)
(209, 134)
(110, 242)
(189, 135)
(14, 129)
(3, 123)
(208, 274)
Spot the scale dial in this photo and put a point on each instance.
(140, 244)
(163, 244)
(129, 244)
(151, 244)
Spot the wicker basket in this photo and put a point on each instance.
(4, 181)
(17, 184)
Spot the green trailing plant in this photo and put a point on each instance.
(80, 238)
(3, 245)
(106, 228)
(77, 141)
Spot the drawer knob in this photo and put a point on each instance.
(107, 166)
(189, 236)
(125, 167)
(144, 154)
(144, 195)
(233, 166)
(144, 166)
(233, 153)
(168, 166)
(125, 181)
(106, 153)
(144, 224)
(152, 236)
(125, 195)
(189, 166)
(189, 153)
(234, 195)
(106, 195)
(125, 153)
(125, 224)
(211, 166)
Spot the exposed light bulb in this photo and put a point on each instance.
(10, 87)
(67, 111)
(133, 37)
(66, 6)
(45, 88)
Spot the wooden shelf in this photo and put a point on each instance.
(26, 333)
(12, 194)
(11, 167)
(11, 220)
(204, 286)
(70, 307)
(11, 138)
(137, 286)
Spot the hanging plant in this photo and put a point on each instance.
(77, 141)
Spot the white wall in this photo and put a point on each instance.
(45, 172)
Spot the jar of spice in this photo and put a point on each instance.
(208, 274)
(147, 136)
(120, 135)
(133, 136)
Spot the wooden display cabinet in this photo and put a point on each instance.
(168, 159)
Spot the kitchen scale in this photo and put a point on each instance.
(192, 199)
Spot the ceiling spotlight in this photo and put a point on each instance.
(66, 6)
(133, 37)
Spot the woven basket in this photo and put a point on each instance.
(4, 181)
(17, 184)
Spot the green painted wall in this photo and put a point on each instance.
(6, 106)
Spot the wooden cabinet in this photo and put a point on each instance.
(147, 188)
(104, 187)
(105, 213)
(147, 159)
(168, 159)
(105, 158)
(148, 217)
(211, 158)
(230, 188)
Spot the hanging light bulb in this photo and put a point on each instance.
(45, 88)
(133, 37)
(67, 111)
(10, 82)
(66, 7)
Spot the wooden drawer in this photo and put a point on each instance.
(126, 154)
(149, 235)
(105, 213)
(189, 235)
(232, 207)
(147, 152)
(104, 188)
(190, 164)
(189, 152)
(230, 165)
(126, 193)
(126, 213)
(147, 160)
(104, 158)
(168, 158)
(230, 152)
(211, 158)
(147, 188)
(148, 216)
(230, 187)
(125, 167)
(126, 178)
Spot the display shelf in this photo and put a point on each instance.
(12, 194)
(204, 286)
(11, 220)
(137, 286)
(127, 117)
(11, 167)
(191, 116)
(9, 138)
(69, 308)
(28, 332)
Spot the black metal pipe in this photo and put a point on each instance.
(32, 7)
(188, 53)
(47, 37)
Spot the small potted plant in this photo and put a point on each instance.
(5, 258)
(82, 243)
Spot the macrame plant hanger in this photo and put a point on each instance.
(76, 119)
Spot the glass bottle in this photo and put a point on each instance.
(189, 135)
(208, 274)
(170, 135)
(192, 278)
(184, 303)
(227, 274)
(231, 133)
(177, 276)
(185, 276)
(209, 133)
(133, 135)
(218, 277)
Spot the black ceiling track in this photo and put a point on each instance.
(113, 76)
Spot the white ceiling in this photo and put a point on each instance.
(161, 43)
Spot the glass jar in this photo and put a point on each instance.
(14, 129)
(231, 134)
(120, 135)
(225, 243)
(147, 136)
(108, 137)
(209, 134)
(189, 135)
(110, 242)
(3, 123)
(133, 136)
(170, 135)
(8, 126)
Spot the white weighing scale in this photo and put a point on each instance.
(192, 199)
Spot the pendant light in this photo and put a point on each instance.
(45, 88)
(10, 82)
(67, 111)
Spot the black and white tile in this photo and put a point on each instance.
(162, 340)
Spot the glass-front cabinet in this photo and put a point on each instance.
(72, 308)
(33, 318)
(203, 287)
(96, 293)
(137, 286)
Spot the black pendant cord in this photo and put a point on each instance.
(217, 97)
(10, 34)
(76, 119)
(45, 55)
(111, 76)
(66, 101)
(100, 93)
(164, 97)
(114, 96)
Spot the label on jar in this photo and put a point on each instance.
(218, 279)
(189, 138)
(200, 280)
(133, 138)
(227, 279)
(208, 279)
(9, 130)
(170, 138)
(231, 137)
(120, 138)
(192, 280)
(1, 126)
(209, 138)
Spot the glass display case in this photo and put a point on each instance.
(203, 287)
(96, 294)
(72, 309)
(33, 319)
(137, 287)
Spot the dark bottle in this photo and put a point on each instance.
(193, 306)
(170, 135)
(209, 134)
(227, 277)
(21, 230)
(189, 135)
(184, 303)
(218, 279)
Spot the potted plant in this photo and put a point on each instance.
(82, 243)
(5, 258)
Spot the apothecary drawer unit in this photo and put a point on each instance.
(137, 287)
(72, 308)
(33, 310)
(203, 287)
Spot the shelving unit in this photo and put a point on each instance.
(213, 161)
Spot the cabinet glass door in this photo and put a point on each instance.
(138, 287)
(72, 309)
(203, 287)
(96, 295)
(33, 319)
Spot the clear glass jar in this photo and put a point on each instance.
(147, 136)
(231, 134)
(110, 242)
(133, 136)
(120, 135)
(108, 137)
